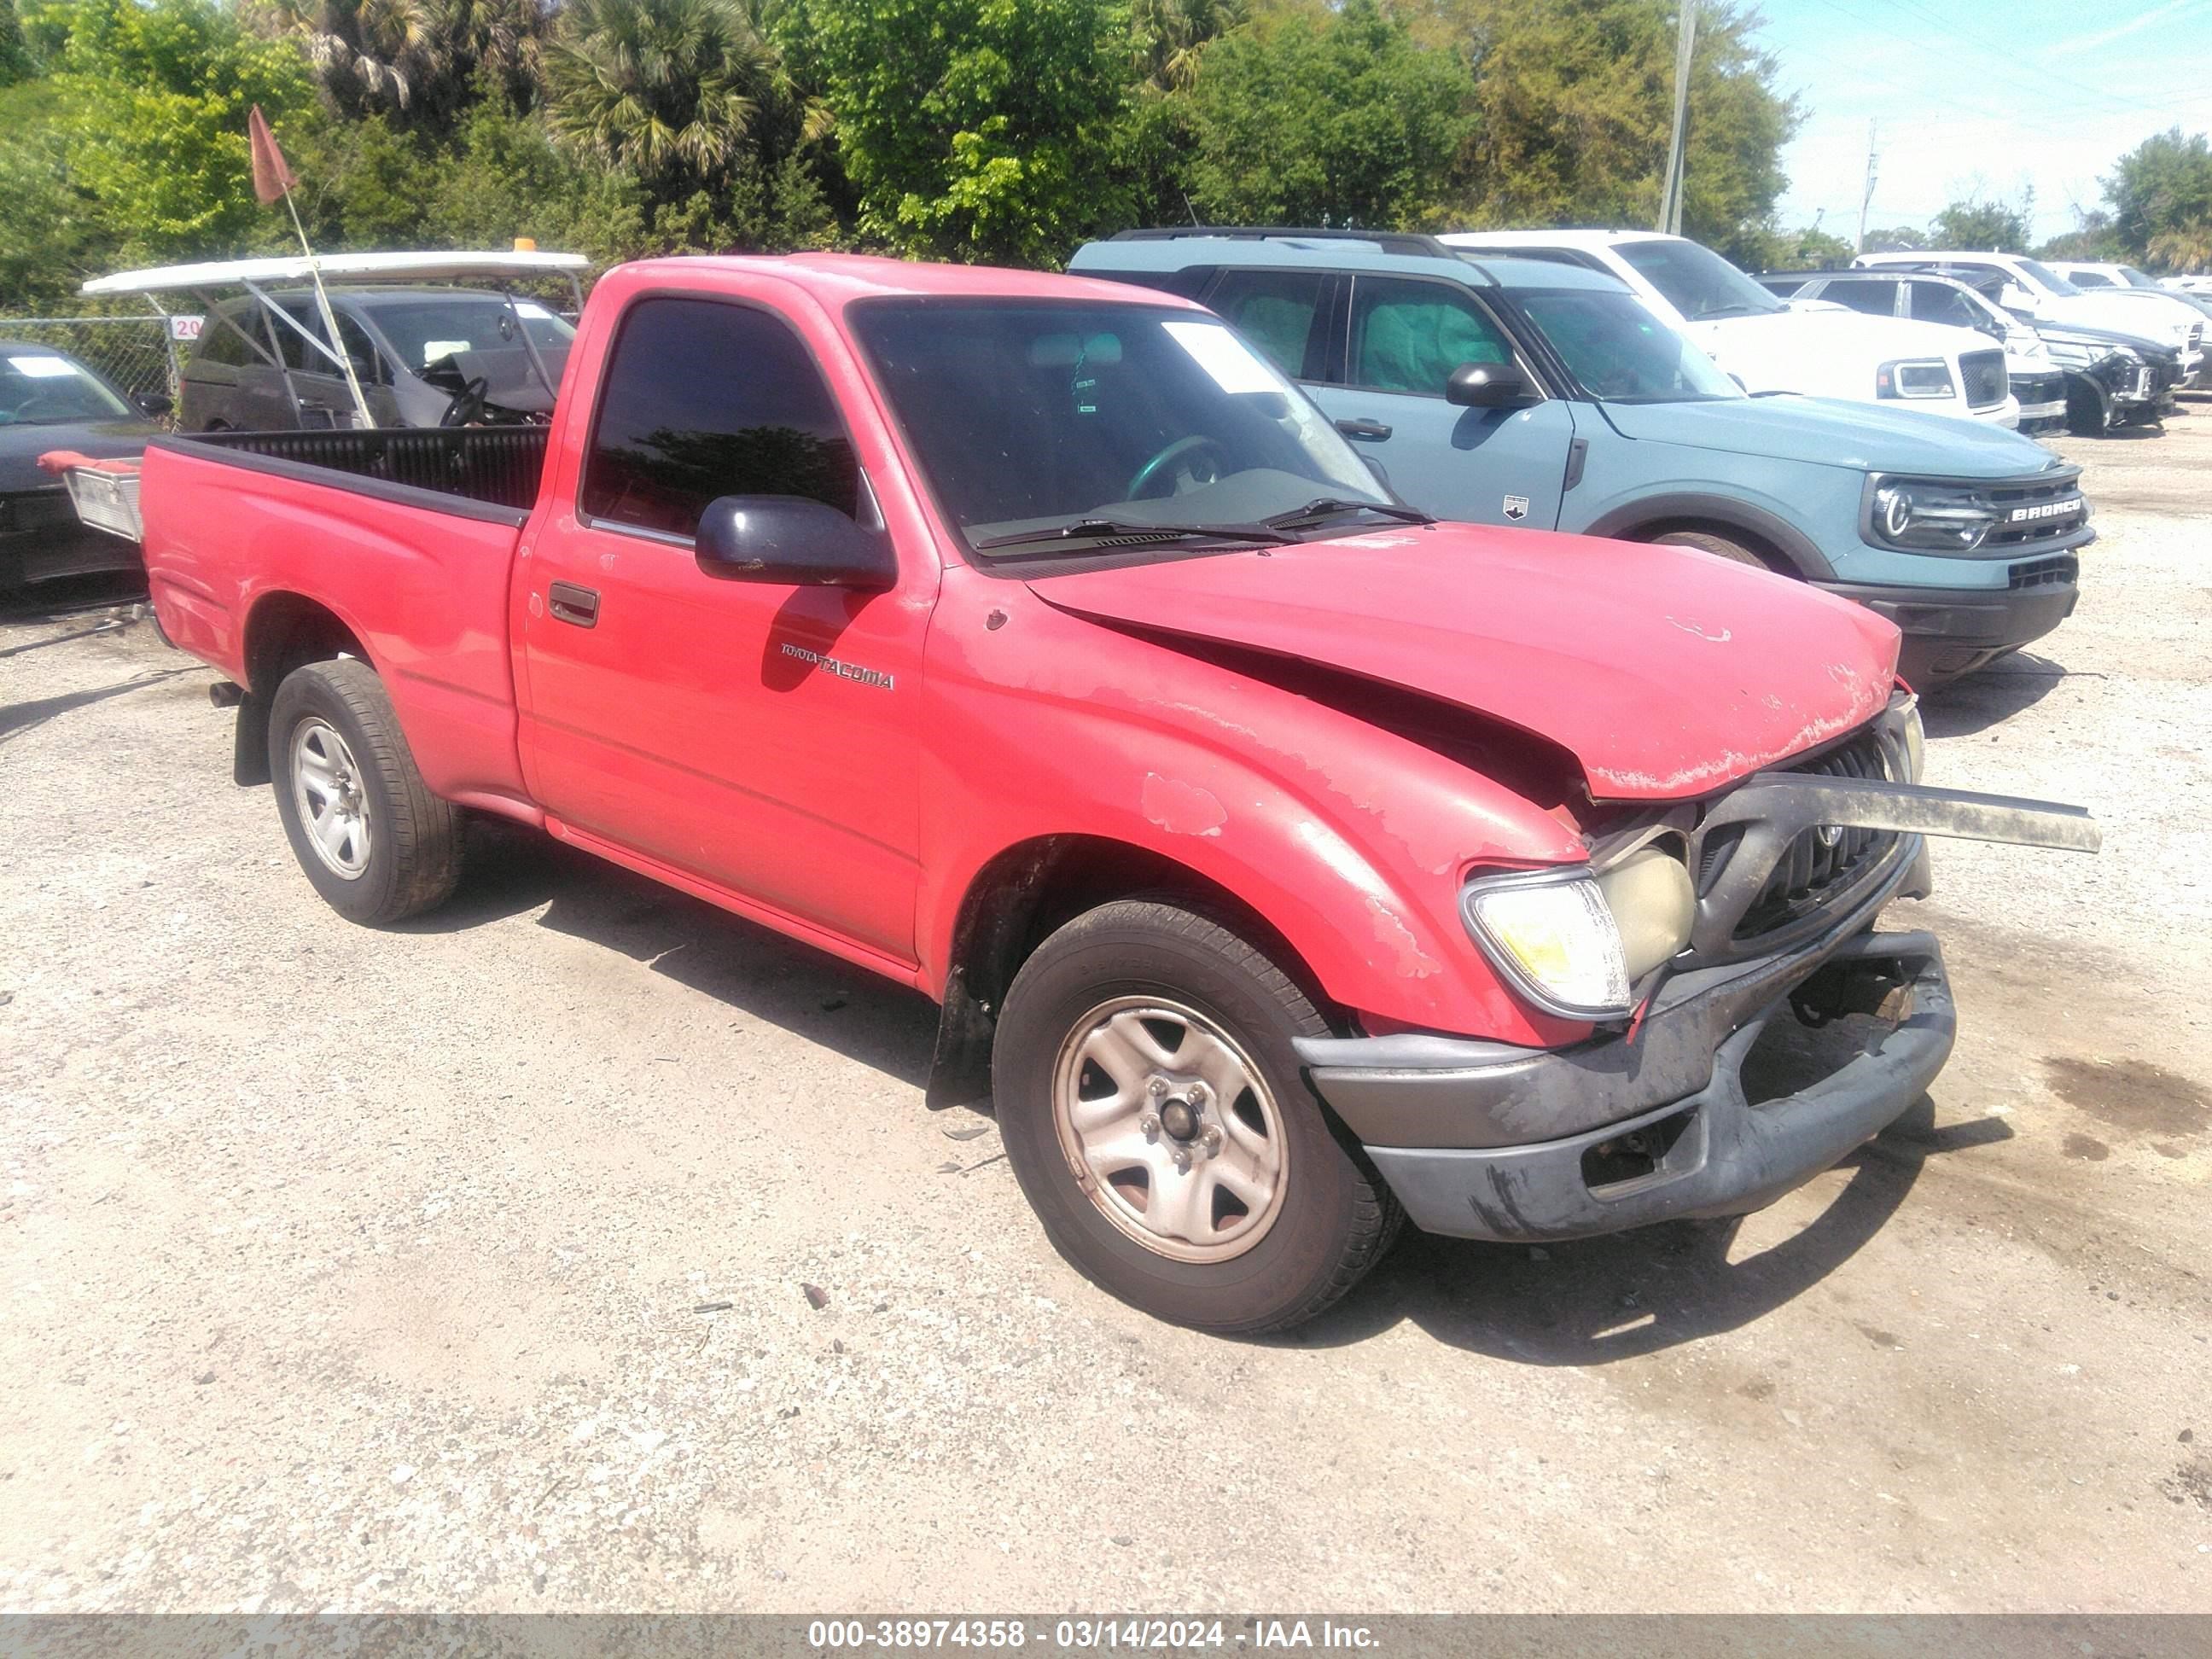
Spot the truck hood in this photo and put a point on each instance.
(1820, 431)
(1666, 672)
(2128, 310)
(1835, 351)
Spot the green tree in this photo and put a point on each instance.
(52, 233)
(1313, 118)
(15, 61)
(1898, 239)
(420, 63)
(1171, 34)
(2160, 194)
(1575, 100)
(157, 95)
(2091, 238)
(693, 98)
(1982, 225)
(976, 129)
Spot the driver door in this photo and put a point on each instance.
(1405, 336)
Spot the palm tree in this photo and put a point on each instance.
(1171, 34)
(416, 60)
(678, 92)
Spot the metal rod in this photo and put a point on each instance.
(530, 345)
(330, 318)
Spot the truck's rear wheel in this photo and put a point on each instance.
(1155, 1114)
(370, 836)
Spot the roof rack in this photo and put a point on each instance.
(1390, 241)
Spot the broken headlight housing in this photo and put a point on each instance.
(1552, 936)
(1927, 515)
(1914, 377)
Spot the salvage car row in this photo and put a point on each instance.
(1646, 402)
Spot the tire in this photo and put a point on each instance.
(1092, 995)
(390, 849)
(1719, 546)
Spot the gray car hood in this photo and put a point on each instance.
(21, 445)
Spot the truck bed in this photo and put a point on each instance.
(405, 539)
(492, 465)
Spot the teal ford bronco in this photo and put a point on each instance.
(1515, 391)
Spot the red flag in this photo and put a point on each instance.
(272, 177)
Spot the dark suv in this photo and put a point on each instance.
(418, 353)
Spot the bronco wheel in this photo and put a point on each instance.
(369, 835)
(1155, 1114)
(1719, 546)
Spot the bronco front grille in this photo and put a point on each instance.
(1822, 862)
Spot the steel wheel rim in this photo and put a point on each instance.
(1169, 1129)
(333, 807)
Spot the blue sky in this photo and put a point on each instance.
(1987, 94)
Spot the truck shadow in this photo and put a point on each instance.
(1591, 1302)
(745, 967)
(2006, 687)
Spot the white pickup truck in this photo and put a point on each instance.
(1765, 345)
(2031, 287)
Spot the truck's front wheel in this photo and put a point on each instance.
(1155, 1114)
(372, 838)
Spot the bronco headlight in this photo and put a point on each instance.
(1930, 517)
(1913, 377)
(1552, 936)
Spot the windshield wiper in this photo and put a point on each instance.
(1737, 311)
(1087, 529)
(1327, 507)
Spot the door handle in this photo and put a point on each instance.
(1375, 431)
(571, 603)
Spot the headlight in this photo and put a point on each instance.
(1930, 517)
(1913, 377)
(1550, 933)
(1916, 742)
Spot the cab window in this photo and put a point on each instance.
(703, 398)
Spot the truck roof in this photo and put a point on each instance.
(840, 277)
(1573, 238)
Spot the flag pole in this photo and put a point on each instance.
(272, 177)
(330, 319)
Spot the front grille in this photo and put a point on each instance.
(2038, 388)
(2061, 571)
(1822, 862)
(1985, 380)
(2052, 507)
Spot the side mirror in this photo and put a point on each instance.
(793, 540)
(1489, 385)
(153, 403)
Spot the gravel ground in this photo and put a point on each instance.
(582, 1248)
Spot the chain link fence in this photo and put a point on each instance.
(135, 353)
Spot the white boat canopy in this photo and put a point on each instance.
(377, 267)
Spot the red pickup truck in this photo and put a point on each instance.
(1285, 863)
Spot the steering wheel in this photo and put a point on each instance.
(467, 408)
(24, 410)
(1141, 486)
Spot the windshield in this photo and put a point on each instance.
(423, 331)
(43, 388)
(1696, 282)
(2045, 275)
(1622, 353)
(1032, 417)
(2137, 278)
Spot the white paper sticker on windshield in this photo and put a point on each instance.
(531, 308)
(44, 368)
(1234, 366)
(433, 349)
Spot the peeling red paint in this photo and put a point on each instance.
(1182, 808)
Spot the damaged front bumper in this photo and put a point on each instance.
(1483, 1139)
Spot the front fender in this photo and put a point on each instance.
(1351, 841)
